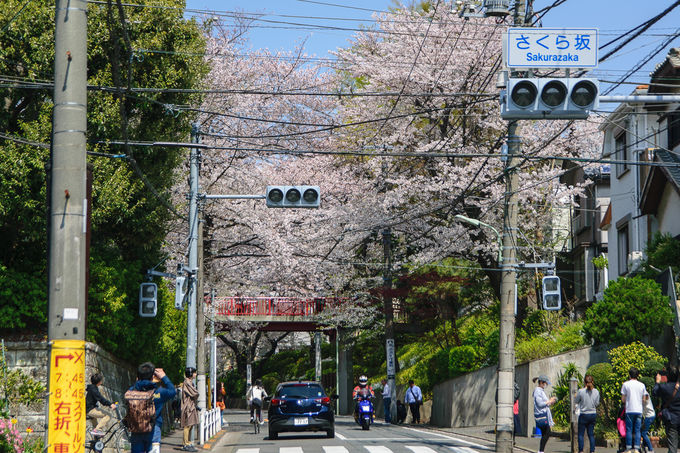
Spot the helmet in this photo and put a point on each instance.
(363, 380)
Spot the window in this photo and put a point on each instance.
(673, 129)
(621, 152)
(623, 249)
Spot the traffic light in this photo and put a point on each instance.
(181, 285)
(293, 196)
(148, 300)
(549, 99)
(552, 297)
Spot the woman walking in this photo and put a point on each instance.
(542, 412)
(587, 399)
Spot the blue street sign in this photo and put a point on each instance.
(552, 48)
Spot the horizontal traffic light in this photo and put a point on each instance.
(550, 99)
(293, 197)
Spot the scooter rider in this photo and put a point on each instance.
(361, 390)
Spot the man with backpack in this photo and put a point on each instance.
(145, 400)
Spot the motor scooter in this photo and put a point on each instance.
(365, 417)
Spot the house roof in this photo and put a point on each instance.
(666, 69)
(607, 218)
(658, 178)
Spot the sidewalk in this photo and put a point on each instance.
(522, 444)
(172, 443)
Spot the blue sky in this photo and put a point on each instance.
(611, 17)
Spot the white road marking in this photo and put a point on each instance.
(457, 439)
(248, 450)
(340, 436)
(419, 449)
(335, 449)
(378, 449)
(463, 450)
(290, 450)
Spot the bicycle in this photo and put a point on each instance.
(257, 418)
(117, 434)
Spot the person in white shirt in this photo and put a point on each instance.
(256, 394)
(387, 400)
(649, 415)
(632, 394)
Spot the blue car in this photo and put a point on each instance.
(300, 406)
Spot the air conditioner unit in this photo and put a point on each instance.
(634, 261)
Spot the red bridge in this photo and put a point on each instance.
(274, 307)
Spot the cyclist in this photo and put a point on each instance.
(256, 394)
(93, 401)
(363, 389)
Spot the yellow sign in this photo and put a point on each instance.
(66, 413)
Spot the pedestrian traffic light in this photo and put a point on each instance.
(552, 297)
(148, 300)
(549, 99)
(181, 285)
(293, 196)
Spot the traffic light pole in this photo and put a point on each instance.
(194, 163)
(506, 344)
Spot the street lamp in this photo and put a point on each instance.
(478, 223)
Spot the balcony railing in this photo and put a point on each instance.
(274, 306)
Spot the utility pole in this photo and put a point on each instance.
(389, 320)
(200, 323)
(506, 346)
(194, 162)
(67, 291)
(213, 350)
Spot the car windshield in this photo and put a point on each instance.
(300, 391)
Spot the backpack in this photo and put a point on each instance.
(141, 411)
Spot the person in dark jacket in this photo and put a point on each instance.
(150, 377)
(93, 399)
(669, 392)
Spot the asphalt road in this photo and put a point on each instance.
(349, 438)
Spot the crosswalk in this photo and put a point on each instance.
(367, 448)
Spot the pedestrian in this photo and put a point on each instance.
(517, 425)
(144, 442)
(669, 394)
(387, 400)
(401, 412)
(542, 412)
(414, 398)
(220, 404)
(93, 403)
(587, 399)
(648, 415)
(632, 396)
(189, 409)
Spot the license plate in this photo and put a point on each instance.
(301, 421)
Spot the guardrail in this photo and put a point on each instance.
(210, 423)
(274, 306)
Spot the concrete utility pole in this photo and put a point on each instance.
(506, 346)
(200, 323)
(389, 320)
(194, 162)
(317, 355)
(67, 292)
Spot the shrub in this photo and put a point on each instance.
(631, 309)
(635, 355)
(562, 407)
(601, 373)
